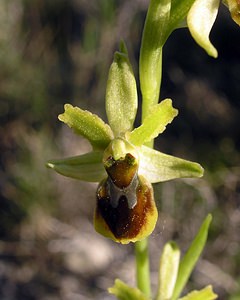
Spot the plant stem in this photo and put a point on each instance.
(150, 73)
(142, 266)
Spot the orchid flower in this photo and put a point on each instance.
(124, 167)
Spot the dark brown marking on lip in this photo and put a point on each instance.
(123, 222)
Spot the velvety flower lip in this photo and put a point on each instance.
(119, 160)
(126, 210)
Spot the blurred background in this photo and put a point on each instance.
(58, 51)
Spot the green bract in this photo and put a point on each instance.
(168, 270)
(200, 21)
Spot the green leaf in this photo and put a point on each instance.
(87, 125)
(150, 64)
(124, 292)
(86, 167)
(155, 123)
(121, 94)
(190, 259)
(157, 166)
(200, 20)
(168, 270)
(204, 294)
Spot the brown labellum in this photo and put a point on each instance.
(126, 208)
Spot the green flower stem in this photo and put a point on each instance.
(150, 92)
(151, 78)
(150, 63)
(142, 267)
(150, 71)
(152, 98)
(149, 96)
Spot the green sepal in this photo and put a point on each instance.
(124, 292)
(87, 125)
(86, 167)
(191, 257)
(157, 166)
(204, 294)
(121, 94)
(200, 20)
(155, 123)
(168, 270)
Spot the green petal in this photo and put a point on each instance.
(168, 270)
(154, 124)
(157, 166)
(124, 292)
(86, 167)
(87, 125)
(121, 94)
(200, 20)
(204, 294)
(191, 257)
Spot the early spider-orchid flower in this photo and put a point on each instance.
(120, 161)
